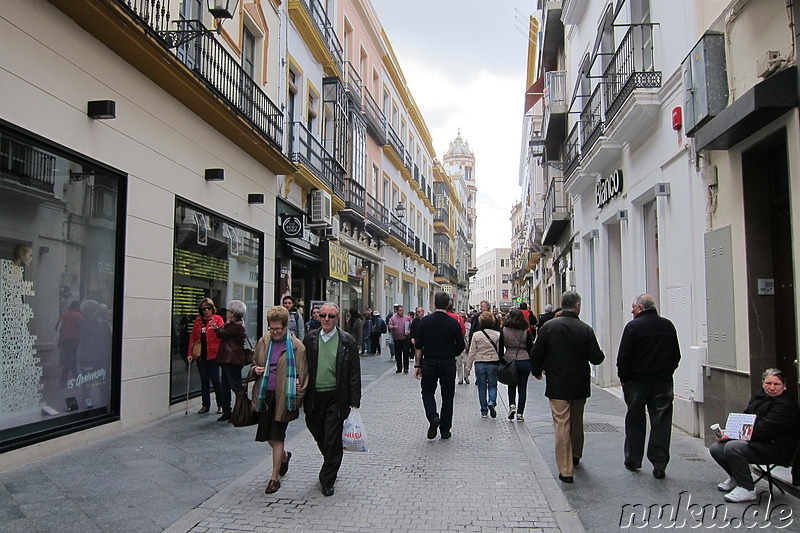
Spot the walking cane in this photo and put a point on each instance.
(188, 378)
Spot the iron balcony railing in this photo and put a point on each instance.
(354, 195)
(571, 149)
(555, 201)
(591, 120)
(307, 150)
(375, 119)
(417, 176)
(630, 68)
(352, 83)
(417, 247)
(408, 161)
(198, 49)
(393, 140)
(446, 271)
(377, 213)
(442, 215)
(325, 29)
(27, 165)
(555, 91)
(397, 228)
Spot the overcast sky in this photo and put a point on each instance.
(464, 61)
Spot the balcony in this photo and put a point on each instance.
(352, 84)
(572, 150)
(27, 166)
(306, 150)
(444, 270)
(314, 25)
(556, 215)
(441, 220)
(591, 120)
(632, 104)
(554, 122)
(552, 30)
(393, 140)
(354, 196)
(376, 121)
(377, 217)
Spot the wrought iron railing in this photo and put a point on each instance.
(352, 82)
(154, 13)
(555, 200)
(446, 271)
(630, 68)
(375, 119)
(591, 120)
(307, 150)
(377, 213)
(325, 29)
(442, 215)
(354, 195)
(416, 175)
(408, 161)
(393, 140)
(27, 165)
(572, 149)
(397, 227)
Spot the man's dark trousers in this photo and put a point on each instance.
(402, 353)
(657, 399)
(326, 427)
(441, 371)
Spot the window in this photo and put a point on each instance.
(60, 253)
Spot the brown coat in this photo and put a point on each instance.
(301, 366)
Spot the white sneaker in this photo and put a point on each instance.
(740, 494)
(727, 485)
(512, 409)
(520, 418)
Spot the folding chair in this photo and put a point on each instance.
(766, 471)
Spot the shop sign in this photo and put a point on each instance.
(292, 226)
(338, 260)
(608, 188)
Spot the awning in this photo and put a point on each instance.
(302, 254)
(752, 111)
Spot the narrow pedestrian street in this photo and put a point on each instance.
(191, 473)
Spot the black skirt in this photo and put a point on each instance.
(268, 427)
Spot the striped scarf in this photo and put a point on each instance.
(291, 376)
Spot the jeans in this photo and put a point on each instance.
(231, 381)
(657, 398)
(365, 344)
(486, 378)
(523, 371)
(402, 353)
(390, 343)
(439, 371)
(209, 375)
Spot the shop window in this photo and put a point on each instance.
(60, 280)
(213, 258)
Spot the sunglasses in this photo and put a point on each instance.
(207, 308)
(329, 315)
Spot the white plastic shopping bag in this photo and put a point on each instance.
(354, 437)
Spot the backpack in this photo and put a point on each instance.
(382, 326)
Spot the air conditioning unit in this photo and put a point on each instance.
(321, 212)
(332, 232)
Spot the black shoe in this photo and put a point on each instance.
(576, 461)
(397, 371)
(566, 479)
(658, 473)
(492, 411)
(225, 416)
(405, 371)
(630, 465)
(327, 490)
(446, 435)
(285, 464)
(433, 428)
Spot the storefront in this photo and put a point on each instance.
(214, 257)
(61, 249)
(298, 260)
(351, 279)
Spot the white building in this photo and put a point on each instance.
(492, 282)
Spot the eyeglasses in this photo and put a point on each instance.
(277, 330)
(207, 308)
(329, 315)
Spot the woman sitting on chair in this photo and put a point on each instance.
(773, 440)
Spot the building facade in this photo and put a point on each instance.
(492, 282)
(155, 154)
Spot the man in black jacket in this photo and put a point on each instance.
(563, 351)
(334, 387)
(648, 356)
(438, 342)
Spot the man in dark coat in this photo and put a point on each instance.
(648, 356)
(334, 387)
(563, 351)
(548, 314)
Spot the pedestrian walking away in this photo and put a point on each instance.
(563, 350)
(230, 356)
(334, 387)
(378, 328)
(438, 341)
(281, 371)
(516, 342)
(484, 353)
(296, 324)
(648, 355)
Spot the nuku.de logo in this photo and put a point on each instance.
(694, 516)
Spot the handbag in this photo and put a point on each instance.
(248, 353)
(242, 414)
(507, 372)
(197, 349)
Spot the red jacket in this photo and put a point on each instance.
(460, 321)
(212, 341)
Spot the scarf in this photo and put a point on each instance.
(291, 376)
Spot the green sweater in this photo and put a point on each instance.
(326, 363)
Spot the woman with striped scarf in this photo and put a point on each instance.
(281, 373)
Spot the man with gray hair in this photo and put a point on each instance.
(648, 355)
(563, 350)
(547, 315)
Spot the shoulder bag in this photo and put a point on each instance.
(507, 372)
(242, 414)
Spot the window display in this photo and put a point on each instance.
(59, 250)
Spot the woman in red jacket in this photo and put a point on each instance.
(208, 346)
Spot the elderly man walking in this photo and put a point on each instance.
(563, 351)
(648, 355)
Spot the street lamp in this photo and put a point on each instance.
(400, 210)
(222, 9)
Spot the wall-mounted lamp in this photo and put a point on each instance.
(254, 198)
(662, 189)
(222, 10)
(215, 174)
(400, 210)
(622, 214)
(102, 109)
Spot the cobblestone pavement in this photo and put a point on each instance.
(482, 479)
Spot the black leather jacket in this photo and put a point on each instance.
(776, 428)
(348, 371)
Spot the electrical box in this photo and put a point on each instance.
(705, 82)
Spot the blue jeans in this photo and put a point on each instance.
(523, 371)
(365, 344)
(209, 375)
(486, 377)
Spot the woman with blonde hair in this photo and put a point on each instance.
(483, 351)
(207, 366)
(281, 372)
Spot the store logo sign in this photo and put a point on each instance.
(338, 260)
(608, 188)
(292, 226)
